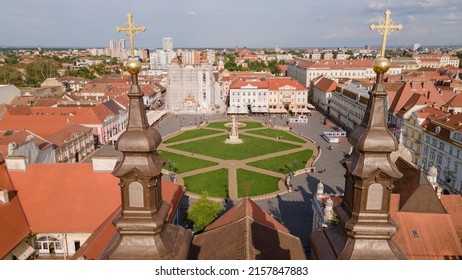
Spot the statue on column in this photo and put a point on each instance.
(233, 135)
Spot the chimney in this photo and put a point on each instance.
(16, 163)
(4, 198)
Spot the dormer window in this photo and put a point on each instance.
(437, 130)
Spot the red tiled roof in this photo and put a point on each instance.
(326, 85)
(46, 102)
(282, 68)
(415, 99)
(453, 205)
(276, 83)
(258, 84)
(431, 113)
(66, 197)
(246, 232)
(426, 235)
(455, 101)
(247, 208)
(401, 97)
(98, 241)
(59, 138)
(14, 227)
(84, 115)
(95, 245)
(453, 122)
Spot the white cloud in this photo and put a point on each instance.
(410, 18)
(431, 3)
(376, 6)
(192, 13)
(218, 13)
(453, 17)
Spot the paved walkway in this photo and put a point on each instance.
(233, 165)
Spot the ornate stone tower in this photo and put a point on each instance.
(142, 232)
(370, 173)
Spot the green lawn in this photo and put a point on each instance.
(216, 147)
(276, 133)
(220, 125)
(191, 134)
(184, 163)
(215, 183)
(248, 125)
(278, 164)
(253, 184)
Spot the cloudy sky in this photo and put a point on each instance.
(220, 23)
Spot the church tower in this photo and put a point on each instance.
(370, 173)
(142, 232)
(366, 229)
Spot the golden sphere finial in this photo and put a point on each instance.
(381, 65)
(133, 66)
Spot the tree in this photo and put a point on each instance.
(203, 211)
(40, 70)
(11, 59)
(459, 55)
(81, 72)
(10, 75)
(113, 61)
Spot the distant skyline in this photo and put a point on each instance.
(226, 24)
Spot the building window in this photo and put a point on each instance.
(48, 245)
(442, 146)
(439, 159)
(434, 142)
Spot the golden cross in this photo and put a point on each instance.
(385, 28)
(131, 29)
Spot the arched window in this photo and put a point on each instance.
(437, 130)
(48, 245)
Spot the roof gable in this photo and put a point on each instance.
(14, 227)
(247, 208)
